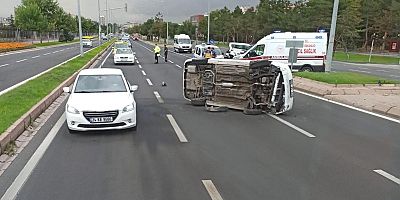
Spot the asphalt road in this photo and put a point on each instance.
(17, 67)
(385, 71)
(243, 157)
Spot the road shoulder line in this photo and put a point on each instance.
(387, 175)
(292, 126)
(212, 190)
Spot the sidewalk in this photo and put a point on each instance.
(383, 99)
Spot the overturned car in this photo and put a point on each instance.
(252, 86)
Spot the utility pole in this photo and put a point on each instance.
(166, 41)
(98, 6)
(107, 15)
(332, 36)
(80, 28)
(208, 24)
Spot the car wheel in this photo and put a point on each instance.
(251, 111)
(306, 69)
(198, 102)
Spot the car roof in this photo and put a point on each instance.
(101, 71)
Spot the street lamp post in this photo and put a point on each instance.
(80, 27)
(107, 15)
(332, 36)
(98, 6)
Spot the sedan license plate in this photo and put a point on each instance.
(101, 119)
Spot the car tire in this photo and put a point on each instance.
(250, 111)
(198, 102)
(306, 69)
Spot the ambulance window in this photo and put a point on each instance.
(256, 51)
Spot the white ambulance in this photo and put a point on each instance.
(273, 47)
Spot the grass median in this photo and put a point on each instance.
(362, 58)
(345, 78)
(46, 44)
(20, 100)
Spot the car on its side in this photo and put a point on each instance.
(236, 49)
(87, 43)
(100, 99)
(120, 45)
(125, 55)
(199, 51)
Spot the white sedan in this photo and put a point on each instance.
(100, 99)
(125, 55)
(87, 43)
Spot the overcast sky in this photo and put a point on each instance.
(139, 10)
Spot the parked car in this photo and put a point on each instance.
(199, 51)
(87, 43)
(100, 99)
(126, 56)
(236, 49)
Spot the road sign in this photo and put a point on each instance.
(294, 44)
(293, 55)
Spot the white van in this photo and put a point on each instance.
(273, 47)
(182, 43)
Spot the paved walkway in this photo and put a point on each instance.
(383, 99)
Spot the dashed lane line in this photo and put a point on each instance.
(212, 190)
(46, 54)
(178, 66)
(388, 176)
(140, 66)
(102, 63)
(292, 126)
(149, 82)
(35, 57)
(158, 96)
(171, 62)
(4, 65)
(18, 61)
(144, 73)
(176, 128)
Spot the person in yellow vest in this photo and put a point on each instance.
(157, 51)
(208, 53)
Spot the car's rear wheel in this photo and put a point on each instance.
(306, 68)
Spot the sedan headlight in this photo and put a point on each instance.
(72, 110)
(128, 108)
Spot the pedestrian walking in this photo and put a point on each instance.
(156, 53)
(166, 53)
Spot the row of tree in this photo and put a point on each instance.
(358, 21)
(46, 15)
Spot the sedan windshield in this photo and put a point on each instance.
(121, 45)
(124, 51)
(100, 83)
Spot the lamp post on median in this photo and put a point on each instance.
(332, 33)
(98, 7)
(80, 28)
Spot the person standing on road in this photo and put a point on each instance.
(213, 53)
(165, 52)
(207, 53)
(156, 53)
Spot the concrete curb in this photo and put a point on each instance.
(336, 93)
(18, 127)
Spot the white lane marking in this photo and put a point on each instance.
(18, 61)
(381, 70)
(149, 82)
(23, 176)
(363, 68)
(140, 66)
(171, 62)
(178, 66)
(35, 56)
(56, 51)
(37, 75)
(137, 61)
(178, 130)
(351, 107)
(388, 176)
(144, 73)
(292, 126)
(46, 54)
(4, 65)
(212, 190)
(158, 96)
(356, 70)
(102, 63)
(61, 50)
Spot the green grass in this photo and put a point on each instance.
(344, 78)
(45, 44)
(360, 58)
(17, 102)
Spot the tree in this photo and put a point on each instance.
(29, 17)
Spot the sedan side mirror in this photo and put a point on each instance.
(66, 89)
(134, 88)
